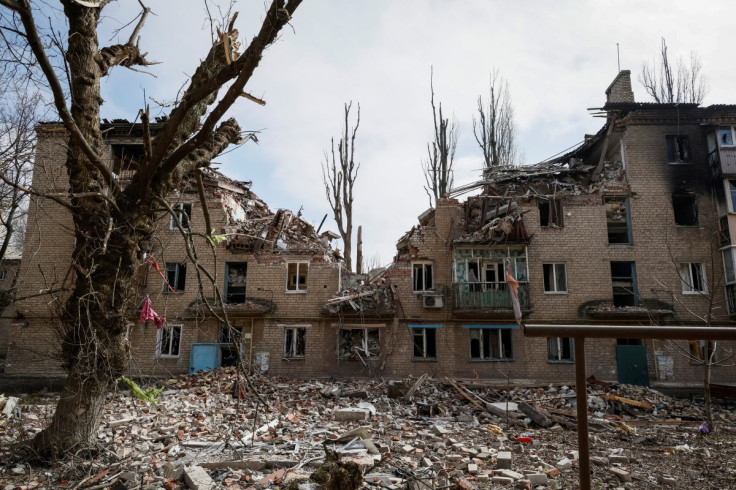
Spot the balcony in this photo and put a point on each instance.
(722, 162)
(488, 296)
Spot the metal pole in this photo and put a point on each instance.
(581, 389)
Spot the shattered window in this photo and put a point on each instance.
(725, 136)
(294, 342)
(358, 343)
(176, 275)
(550, 213)
(555, 278)
(235, 276)
(617, 219)
(728, 266)
(701, 350)
(425, 343)
(183, 212)
(168, 341)
(126, 157)
(296, 276)
(692, 276)
(559, 349)
(231, 335)
(623, 277)
(678, 149)
(686, 209)
(422, 277)
(490, 344)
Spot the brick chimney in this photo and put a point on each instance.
(620, 88)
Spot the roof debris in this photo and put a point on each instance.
(446, 433)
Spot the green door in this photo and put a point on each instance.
(632, 365)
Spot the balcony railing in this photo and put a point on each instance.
(723, 161)
(488, 296)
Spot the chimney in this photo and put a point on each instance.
(620, 88)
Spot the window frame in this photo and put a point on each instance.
(425, 347)
(689, 286)
(554, 213)
(424, 266)
(555, 289)
(623, 279)
(696, 350)
(672, 142)
(160, 339)
(627, 210)
(501, 335)
(178, 207)
(558, 357)
(227, 293)
(178, 276)
(296, 289)
(731, 132)
(292, 333)
(365, 354)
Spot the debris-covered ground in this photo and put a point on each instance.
(211, 431)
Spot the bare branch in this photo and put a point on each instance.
(438, 168)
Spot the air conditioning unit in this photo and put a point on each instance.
(434, 301)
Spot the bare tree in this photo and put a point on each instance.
(669, 83)
(18, 115)
(113, 219)
(495, 129)
(693, 279)
(438, 168)
(338, 175)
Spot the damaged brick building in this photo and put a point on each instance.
(633, 227)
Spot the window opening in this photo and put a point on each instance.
(425, 343)
(686, 209)
(550, 213)
(559, 349)
(235, 281)
(490, 344)
(422, 279)
(126, 157)
(176, 275)
(692, 276)
(183, 212)
(623, 277)
(294, 342)
(555, 278)
(296, 276)
(617, 219)
(678, 148)
(169, 341)
(702, 350)
(358, 343)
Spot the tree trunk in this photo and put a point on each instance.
(707, 368)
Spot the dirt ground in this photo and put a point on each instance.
(211, 430)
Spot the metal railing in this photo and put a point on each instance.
(488, 295)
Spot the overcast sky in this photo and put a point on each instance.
(558, 58)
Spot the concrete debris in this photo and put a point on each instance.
(311, 435)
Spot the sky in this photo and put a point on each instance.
(557, 57)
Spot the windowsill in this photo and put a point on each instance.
(428, 291)
(290, 359)
(175, 291)
(556, 292)
(621, 245)
(165, 356)
(696, 226)
(508, 359)
(680, 163)
(715, 363)
(374, 358)
(422, 359)
(562, 361)
(694, 293)
(296, 292)
(551, 227)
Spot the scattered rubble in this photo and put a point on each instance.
(351, 434)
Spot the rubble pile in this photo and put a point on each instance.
(376, 297)
(211, 430)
